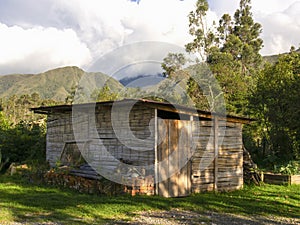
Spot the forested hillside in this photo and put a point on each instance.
(274, 58)
(54, 84)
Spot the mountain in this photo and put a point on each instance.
(58, 83)
(142, 80)
(54, 84)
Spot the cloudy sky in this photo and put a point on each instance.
(38, 35)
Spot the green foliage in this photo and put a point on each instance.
(203, 89)
(3, 162)
(172, 63)
(291, 168)
(104, 94)
(203, 35)
(23, 142)
(231, 50)
(22, 133)
(70, 97)
(274, 102)
(267, 92)
(236, 59)
(17, 108)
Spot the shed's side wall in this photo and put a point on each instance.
(59, 131)
(229, 162)
(101, 139)
(230, 158)
(202, 160)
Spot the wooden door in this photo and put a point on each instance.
(173, 157)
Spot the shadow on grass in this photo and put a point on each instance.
(26, 202)
(250, 201)
(31, 203)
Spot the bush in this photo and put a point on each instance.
(23, 143)
(291, 168)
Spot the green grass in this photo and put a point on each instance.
(21, 201)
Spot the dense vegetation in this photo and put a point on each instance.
(22, 133)
(275, 104)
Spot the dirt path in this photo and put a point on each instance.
(180, 217)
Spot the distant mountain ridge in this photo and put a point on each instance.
(54, 84)
(57, 83)
(274, 58)
(142, 80)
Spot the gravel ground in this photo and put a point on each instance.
(181, 217)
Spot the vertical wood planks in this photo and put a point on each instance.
(173, 155)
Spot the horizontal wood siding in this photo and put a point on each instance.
(107, 148)
(229, 159)
(59, 131)
(270, 178)
(102, 148)
(202, 160)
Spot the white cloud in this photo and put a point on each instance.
(270, 6)
(281, 29)
(38, 49)
(279, 19)
(107, 26)
(75, 32)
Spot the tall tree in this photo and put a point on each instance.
(172, 63)
(208, 42)
(231, 50)
(248, 33)
(202, 33)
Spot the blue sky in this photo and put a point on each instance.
(39, 35)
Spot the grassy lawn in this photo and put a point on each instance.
(21, 201)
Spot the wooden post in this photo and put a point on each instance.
(190, 155)
(191, 136)
(155, 151)
(216, 150)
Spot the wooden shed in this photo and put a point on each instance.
(179, 150)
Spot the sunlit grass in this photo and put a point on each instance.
(21, 201)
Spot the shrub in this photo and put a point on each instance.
(291, 168)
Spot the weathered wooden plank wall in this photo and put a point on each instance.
(59, 130)
(102, 148)
(216, 164)
(230, 160)
(227, 165)
(107, 148)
